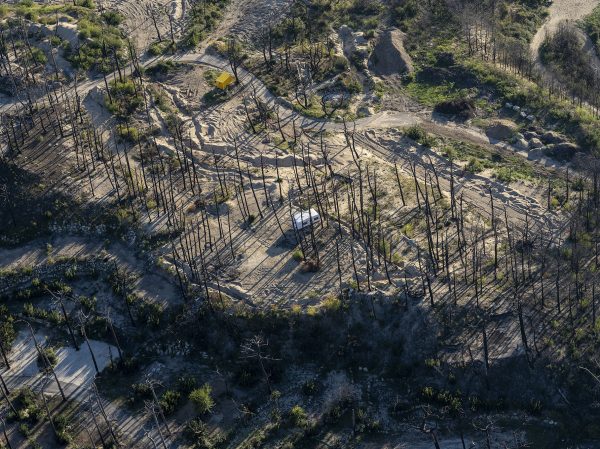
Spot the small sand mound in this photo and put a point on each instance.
(389, 56)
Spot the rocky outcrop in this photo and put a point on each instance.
(535, 143)
(351, 41)
(389, 56)
(551, 137)
(461, 108)
(564, 151)
(500, 130)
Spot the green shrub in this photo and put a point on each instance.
(298, 416)
(161, 68)
(204, 17)
(210, 76)
(124, 98)
(100, 42)
(310, 387)
(47, 359)
(405, 12)
(419, 135)
(141, 391)
(161, 48)
(202, 399)
(8, 333)
(150, 313)
(351, 83)
(169, 401)
(26, 404)
(86, 4)
(474, 165)
(340, 63)
(331, 304)
(128, 134)
(504, 174)
(38, 56)
(201, 436)
(63, 429)
(113, 18)
(298, 255)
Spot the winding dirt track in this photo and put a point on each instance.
(560, 11)
(381, 120)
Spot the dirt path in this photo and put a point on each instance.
(560, 10)
(138, 23)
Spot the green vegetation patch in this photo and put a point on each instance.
(204, 18)
(591, 24)
(124, 98)
(507, 168)
(100, 39)
(101, 46)
(162, 48)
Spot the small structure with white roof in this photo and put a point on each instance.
(305, 218)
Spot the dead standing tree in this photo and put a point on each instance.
(150, 407)
(235, 57)
(82, 320)
(303, 83)
(152, 386)
(5, 433)
(255, 348)
(43, 357)
(152, 14)
(107, 421)
(60, 301)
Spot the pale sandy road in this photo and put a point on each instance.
(561, 10)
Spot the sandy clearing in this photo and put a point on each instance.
(36, 253)
(75, 369)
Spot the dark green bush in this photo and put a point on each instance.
(169, 401)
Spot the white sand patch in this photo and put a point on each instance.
(75, 369)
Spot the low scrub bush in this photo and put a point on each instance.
(202, 399)
(298, 416)
(170, 401)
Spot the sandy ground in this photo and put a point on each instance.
(561, 10)
(138, 22)
(75, 369)
(266, 269)
(244, 19)
(151, 283)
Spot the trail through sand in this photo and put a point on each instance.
(150, 284)
(138, 18)
(561, 10)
